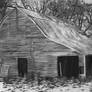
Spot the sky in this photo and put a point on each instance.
(88, 1)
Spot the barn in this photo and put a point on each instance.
(23, 45)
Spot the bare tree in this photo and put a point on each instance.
(3, 7)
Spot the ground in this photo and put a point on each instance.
(46, 85)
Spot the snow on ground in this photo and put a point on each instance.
(46, 86)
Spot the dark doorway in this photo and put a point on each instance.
(68, 66)
(22, 67)
(89, 65)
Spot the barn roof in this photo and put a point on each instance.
(17, 31)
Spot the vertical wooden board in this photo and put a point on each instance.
(11, 61)
(13, 70)
(4, 70)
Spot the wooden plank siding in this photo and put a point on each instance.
(21, 42)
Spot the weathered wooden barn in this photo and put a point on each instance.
(20, 39)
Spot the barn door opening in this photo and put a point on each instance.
(89, 65)
(68, 66)
(22, 67)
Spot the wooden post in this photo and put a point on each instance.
(60, 69)
(84, 59)
(83, 76)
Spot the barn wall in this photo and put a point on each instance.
(47, 65)
(23, 39)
